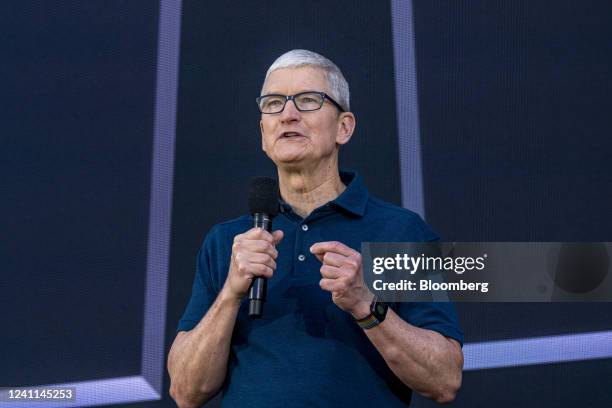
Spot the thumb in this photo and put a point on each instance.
(320, 256)
(277, 236)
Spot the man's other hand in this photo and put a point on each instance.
(343, 277)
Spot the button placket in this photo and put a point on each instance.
(300, 257)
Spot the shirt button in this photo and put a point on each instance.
(304, 227)
(301, 257)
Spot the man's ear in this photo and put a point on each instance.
(262, 135)
(346, 127)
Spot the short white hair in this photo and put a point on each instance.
(338, 87)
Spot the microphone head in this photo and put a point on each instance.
(263, 196)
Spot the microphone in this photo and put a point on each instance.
(263, 205)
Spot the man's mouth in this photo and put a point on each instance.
(288, 135)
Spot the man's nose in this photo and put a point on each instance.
(290, 113)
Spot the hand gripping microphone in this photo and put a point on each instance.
(263, 205)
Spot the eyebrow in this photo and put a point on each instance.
(295, 93)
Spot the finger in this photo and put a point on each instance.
(330, 272)
(329, 285)
(331, 246)
(261, 270)
(246, 267)
(277, 236)
(261, 246)
(333, 259)
(259, 233)
(264, 259)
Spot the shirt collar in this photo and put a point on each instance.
(353, 199)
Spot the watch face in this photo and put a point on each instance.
(380, 310)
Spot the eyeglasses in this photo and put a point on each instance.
(304, 102)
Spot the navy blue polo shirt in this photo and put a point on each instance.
(306, 351)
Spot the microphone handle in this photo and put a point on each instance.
(257, 291)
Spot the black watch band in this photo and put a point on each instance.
(378, 312)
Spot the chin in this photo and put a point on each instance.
(289, 163)
(287, 156)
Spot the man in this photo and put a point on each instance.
(317, 344)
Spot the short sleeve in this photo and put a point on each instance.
(437, 316)
(426, 233)
(203, 293)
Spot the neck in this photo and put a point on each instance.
(305, 190)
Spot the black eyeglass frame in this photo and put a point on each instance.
(292, 98)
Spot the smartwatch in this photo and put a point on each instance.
(378, 312)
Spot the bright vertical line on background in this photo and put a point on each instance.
(148, 385)
(407, 107)
(160, 211)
